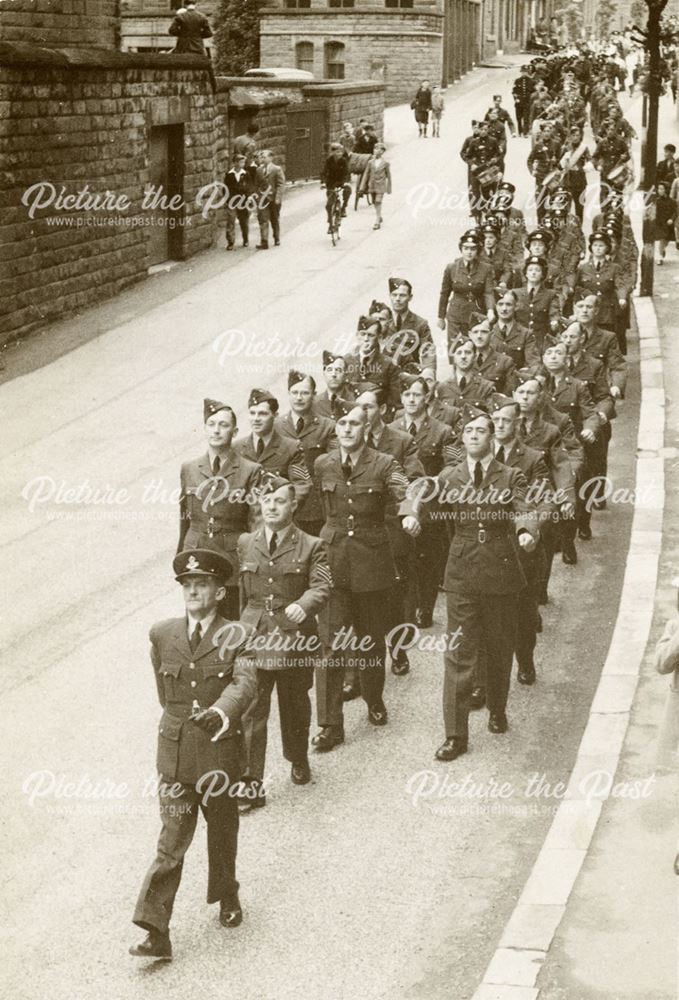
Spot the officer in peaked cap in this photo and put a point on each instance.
(285, 580)
(218, 495)
(206, 679)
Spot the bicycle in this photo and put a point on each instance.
(334, 213)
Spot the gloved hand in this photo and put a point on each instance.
(208, 719)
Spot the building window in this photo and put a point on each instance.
(297, 3)
(340, 3)
(398, 3)
(334, 61)
(304, 56)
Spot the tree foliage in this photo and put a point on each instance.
(605, 12)
(236, 36)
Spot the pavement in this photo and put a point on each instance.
(380, 880)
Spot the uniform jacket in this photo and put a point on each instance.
(593, 374)
(476, 391)
(324, 406)
(215, 510)
(484, 552)
(379, 370)
(498, 368)
(190, 28)
(603, 346)
(297, 572)
(355, 531)
(538, 312)
(396, 441)
(316, 437)
(500, 263)
(465, 291)
(444, 413)
(420, 348)
(608, 286)
(281, 456)
(511, 243)
(222, 675)
(436, 448)
(563, 261)
(517, 343)
(546, 438)
(573, 398)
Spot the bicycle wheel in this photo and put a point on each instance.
(336, 220)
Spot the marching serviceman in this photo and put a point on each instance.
(218, 499)
(403, 319)
(204, 686)
(509, 337)
(604, 279)
(537, 306)
(602, 345)
(485, 502)
(494, 366)
(285, 579)
(275, 453)
(316, 435)
(466, 288)
(357, 487)
(436, 449)
(465, 385)
(368, 364)
(338, 397)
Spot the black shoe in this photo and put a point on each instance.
(585, 533)
(252, 796)
(245, 243)
(276, 243)
(230, 913)
(229, 246)
(329, 230)
(154, 945)
(300, 772)
(497, 723)
(526, 674)
(568, 554)
(377, 714)
(262, 246)
(328, 738)
(451, 748)
(400, 665)
(423, 619)
(344, 213)
(477, 699)
(349, 692)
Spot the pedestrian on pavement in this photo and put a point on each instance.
(674, 195)
(190, 28)
(285, 580)
(665, 216)
(421, 105)
(218, 496)
(240, 183)
(483, 577)
(348, 137)
(664, 171)
(204, 687)
(366, 141)
(376, 181)
(437, 108)
(270, 184)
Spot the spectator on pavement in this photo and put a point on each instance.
(365, 142)
(240, 182)
(269, 183)
(247, 144)
(437, 106)
(376, 181)
(190, 28)
(421, 105)
(665, 215)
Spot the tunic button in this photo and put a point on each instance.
(350, 534)
(270, 579)
(193, 684)
(160, 730)
(192, 666)
(270, 564)
(350, 500)
(220, 674)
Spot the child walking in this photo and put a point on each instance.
(376, 181)
(436, 111)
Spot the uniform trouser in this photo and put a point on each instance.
(431, 553)
(269, 215)
(596, 455)
(527, 621)
(243, 217)
(294, 709)
(485, 621)
(367, 612)
(522, 111)
(179, 815)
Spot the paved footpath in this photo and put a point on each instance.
(352, 886)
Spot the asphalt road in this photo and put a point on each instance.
(351, 886)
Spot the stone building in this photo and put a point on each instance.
(144, 24)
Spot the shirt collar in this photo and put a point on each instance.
(266, 439)
(485, 462)
(354, 459)
(508, 445)
(281, 534)
(205, 624)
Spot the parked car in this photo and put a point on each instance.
(280, 73)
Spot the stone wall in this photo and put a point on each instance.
(73, 24)
(85, 125)
(397, 47)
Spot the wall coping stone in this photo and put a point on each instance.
(316, 88)
(348, 11)
(24, 53)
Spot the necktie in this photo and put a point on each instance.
(503, 332)
(273, 542)
(399, 320)
(463, 383)
(523, 426)
(196, 637)
(478, 475)
(372, 441)
(571, 363)
(531, 295)
(299, 426)
(500, 456)
(346, 468)
(334, 405)
(260, 447)
(215, 465)
(412, 430)
(479, 359)
(598, 266)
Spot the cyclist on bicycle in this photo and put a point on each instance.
(335, 175)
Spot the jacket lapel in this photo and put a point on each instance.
(180, 638)
(206, 644)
